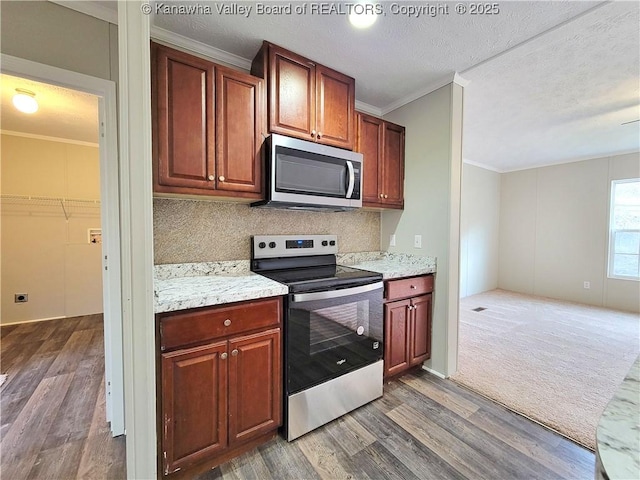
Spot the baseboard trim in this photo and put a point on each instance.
(433, 372)
(44, 319)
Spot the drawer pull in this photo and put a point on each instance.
(413, 287)
(227, 322)
(223, 355)
(234, 352)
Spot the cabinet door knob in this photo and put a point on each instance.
(221, 178)
(382, 195)
(313, 133)
(319, 134)
(385, 196)
(413, 287)
(212, 178)
(223, 355)
(234, 352)
(227, 322)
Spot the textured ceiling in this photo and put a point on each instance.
(551, 82)
(560, 97)
(395, 58)
(62, 113)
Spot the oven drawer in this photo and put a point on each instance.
(408, 287)
(188, 327)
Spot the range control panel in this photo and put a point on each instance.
(271, 246)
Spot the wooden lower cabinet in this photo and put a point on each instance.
(254, 396)
(219, 398)
(194, 405)
(407, 323)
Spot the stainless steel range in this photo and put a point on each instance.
(333, 329)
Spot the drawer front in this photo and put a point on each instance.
(183, 328)
(408, 287)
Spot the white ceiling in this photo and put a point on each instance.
(62, 113)
(549, 80)
(559, 97)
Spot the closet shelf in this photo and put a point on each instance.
(66, 204)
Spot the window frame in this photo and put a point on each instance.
(613, 231)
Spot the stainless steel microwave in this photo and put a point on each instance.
(308, 176)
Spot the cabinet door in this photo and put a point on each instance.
(393, 169)
(183, 120)
(292, 87)
(397, 335)
(255, 385)
(420, 329)
(239, 102)
(194, 405)
(369, 143)
(335, 108)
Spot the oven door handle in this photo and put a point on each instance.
(345, 292)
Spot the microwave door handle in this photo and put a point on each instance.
(352, 179)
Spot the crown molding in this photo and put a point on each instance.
(92, 9)
(431, 87)
(366, 108)
(174, 39)
(48, 138)
(482, 165)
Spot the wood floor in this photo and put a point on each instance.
(52, 405)
(52, 426)
(422, 428)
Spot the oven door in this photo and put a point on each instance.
(330, 333)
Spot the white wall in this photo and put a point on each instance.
(432, 206)
(554, 232)
(479, 230)
(43, 254)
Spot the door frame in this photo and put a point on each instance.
(105, 90)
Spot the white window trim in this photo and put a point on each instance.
(612, 231)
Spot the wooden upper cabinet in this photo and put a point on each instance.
(307, 100)
(208, 126)
(393, 171)
(335, 108)
(382, 146)
(370, 144)
(239, 117)
(292, 86)
(183, 120)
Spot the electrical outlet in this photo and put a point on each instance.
(587, 285)
(21, 297)
(392, 241)
(417, 241)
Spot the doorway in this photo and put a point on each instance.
(109, 231)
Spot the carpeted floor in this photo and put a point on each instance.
(558, 363)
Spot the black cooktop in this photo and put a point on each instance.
(316, 277)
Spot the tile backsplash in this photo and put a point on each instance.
(204, 231)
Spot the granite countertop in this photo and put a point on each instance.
(192, 285)
(618, 433)
(390, 265)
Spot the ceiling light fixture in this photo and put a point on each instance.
(25, 101)
(363, 14)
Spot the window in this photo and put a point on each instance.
(624, 229)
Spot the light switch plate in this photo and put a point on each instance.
(417, 241)
(392, 241)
